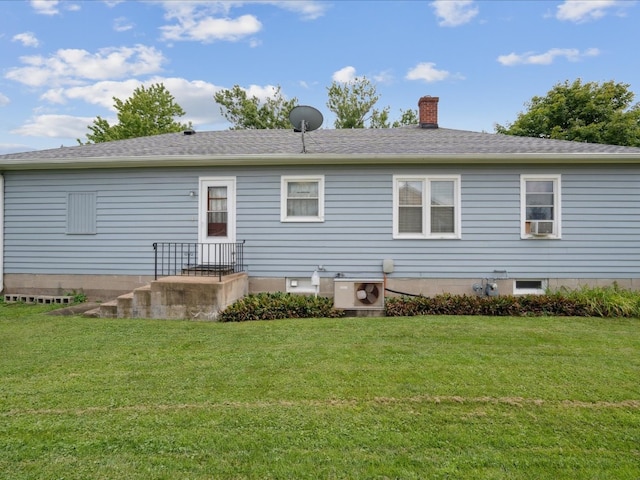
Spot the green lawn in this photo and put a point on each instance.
(356, 398)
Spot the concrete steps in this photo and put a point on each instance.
(191, 298)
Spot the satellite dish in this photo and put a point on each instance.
(305, 119)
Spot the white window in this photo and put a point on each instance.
(426, 207)
(540, 206)
(302, 199)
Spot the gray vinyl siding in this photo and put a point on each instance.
(137, 207)
(134, 208)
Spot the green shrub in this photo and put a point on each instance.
(584, 302)
(272, 306)
(78, 296)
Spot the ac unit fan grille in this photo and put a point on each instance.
(367, 293)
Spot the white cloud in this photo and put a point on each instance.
(385, 77)
(55, 126)
(100, 93)
(4, 100)
(344, 75)
(195, 97)
(453, 13)
(585, 10)
(72, 66)
(50, 7)
(45, 7)
(428, 72)
(208, 22)
(261, 91)
(548, 57)
(309, 10)
(28, 39)
(201, 22)
(122, 24)
(211, 29)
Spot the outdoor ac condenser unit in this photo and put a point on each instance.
(358, 294)
(541, 228)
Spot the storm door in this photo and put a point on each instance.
(217, 221)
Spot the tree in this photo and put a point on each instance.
(407, 117)
(584, 112)
(379, 118)
(149, 111)
(352, 101)
(252, 113)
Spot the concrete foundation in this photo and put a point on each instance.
(202, 298)
(107, 287)
(95, 287)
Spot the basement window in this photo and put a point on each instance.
(529, 287)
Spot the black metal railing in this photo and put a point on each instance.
(198, 259)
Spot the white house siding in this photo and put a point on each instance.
(137, 207)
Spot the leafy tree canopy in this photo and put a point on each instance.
(352, 103)
(585, 112)
(149, 111)
(407, 117)
(246, 112)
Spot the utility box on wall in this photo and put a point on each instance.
(358, 294)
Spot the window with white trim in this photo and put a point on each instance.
(540, 206)
(426, 206)
(302, 199)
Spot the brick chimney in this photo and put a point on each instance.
(428, 111)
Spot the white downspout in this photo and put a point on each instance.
(1, 233)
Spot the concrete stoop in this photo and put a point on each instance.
(179, 298)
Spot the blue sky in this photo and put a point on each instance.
(62, 62)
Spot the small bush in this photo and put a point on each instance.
(272, 306)
(584, 302)
(78, 297)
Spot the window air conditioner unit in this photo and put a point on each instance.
(541, 228)
(358, 294)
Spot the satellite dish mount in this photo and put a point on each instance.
(305, 119)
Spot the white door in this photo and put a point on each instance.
(217, 221)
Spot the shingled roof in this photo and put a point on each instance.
(411, 143)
